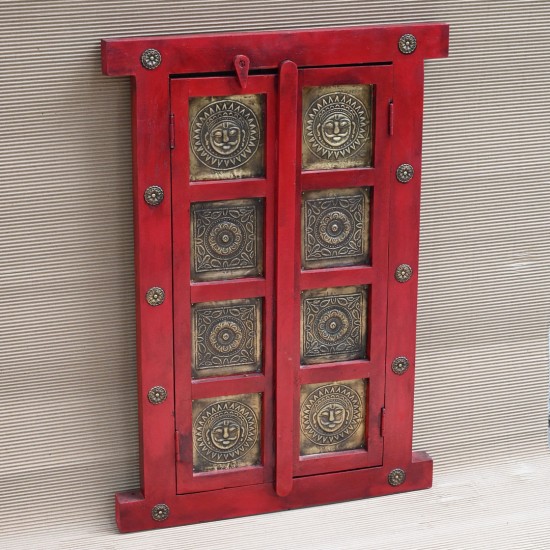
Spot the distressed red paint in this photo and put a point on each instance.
(278, 65)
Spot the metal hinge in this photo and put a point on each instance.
(382, 421)
(172, 133)
(390, 117)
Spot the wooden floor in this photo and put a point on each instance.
(506, 506)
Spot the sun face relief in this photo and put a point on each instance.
(332, 417)
(336, 127)
(226, 432)
(226, 137)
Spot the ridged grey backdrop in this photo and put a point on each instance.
(68, 419)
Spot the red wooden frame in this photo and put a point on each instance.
(278, 484)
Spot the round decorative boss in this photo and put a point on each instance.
(399, 365)
(403, 273)
(155, 296)
(157, 395)
(404, 173)
(407, 44)
(396, 477)
(160, 512)
(151, 58)
(153, 195)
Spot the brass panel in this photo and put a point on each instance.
(226, 337)
(336, 127)
(333, 324)
(332, 417)
(335, 228)
(226, 137)
(226, 432)
(227, 239)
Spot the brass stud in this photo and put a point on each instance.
(404, 173)
(151, 58)
(153, 195)
(155, 296)
(403, 273)
(400, 365)
(157, 395)
(407, 44)
(160, 512)
(397, 477)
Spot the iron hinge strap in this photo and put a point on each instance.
(382, 421)
(390, 117)
(172, 132)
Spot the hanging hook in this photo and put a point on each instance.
(242, 64)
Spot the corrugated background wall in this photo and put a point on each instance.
(68, 420)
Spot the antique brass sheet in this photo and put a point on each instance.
(227, 239)
(226, 137)
(335, 228)
(336, 127)
(333, 324)
(332, 417)
(226, 432)
(226, 337)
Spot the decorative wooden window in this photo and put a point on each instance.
(277, 187)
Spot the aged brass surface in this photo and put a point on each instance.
(153, 195)
(403, 273)
(227, 239)
(397, 477)
(226, 432)
(155, 296)
(407, 44)
(157, 395)
(226, 337)
(336, 127)
(160, 512)
(404, 173)
(332, 417)
(335, 228)
(400, 365)
(226, 137)
(333, 324)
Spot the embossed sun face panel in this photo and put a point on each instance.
(333, 324)
(332, 417)
(335, 228)
(226, 137)
(336, 127)
(227, 432)
(226, 337)
(227, 239)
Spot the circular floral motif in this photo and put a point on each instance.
(155, 296)
(226, 336)
(157, 395)
(396, 477)
(225, 134)
(334, 227)
(332, 324)
(225, 431)
(160, 512)
(399, 365)
(407, 44)
(403, 273)
(336, 126)
(153, 195)
(225, 238)
(151, 58)
(331, 414)
(404, 173)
